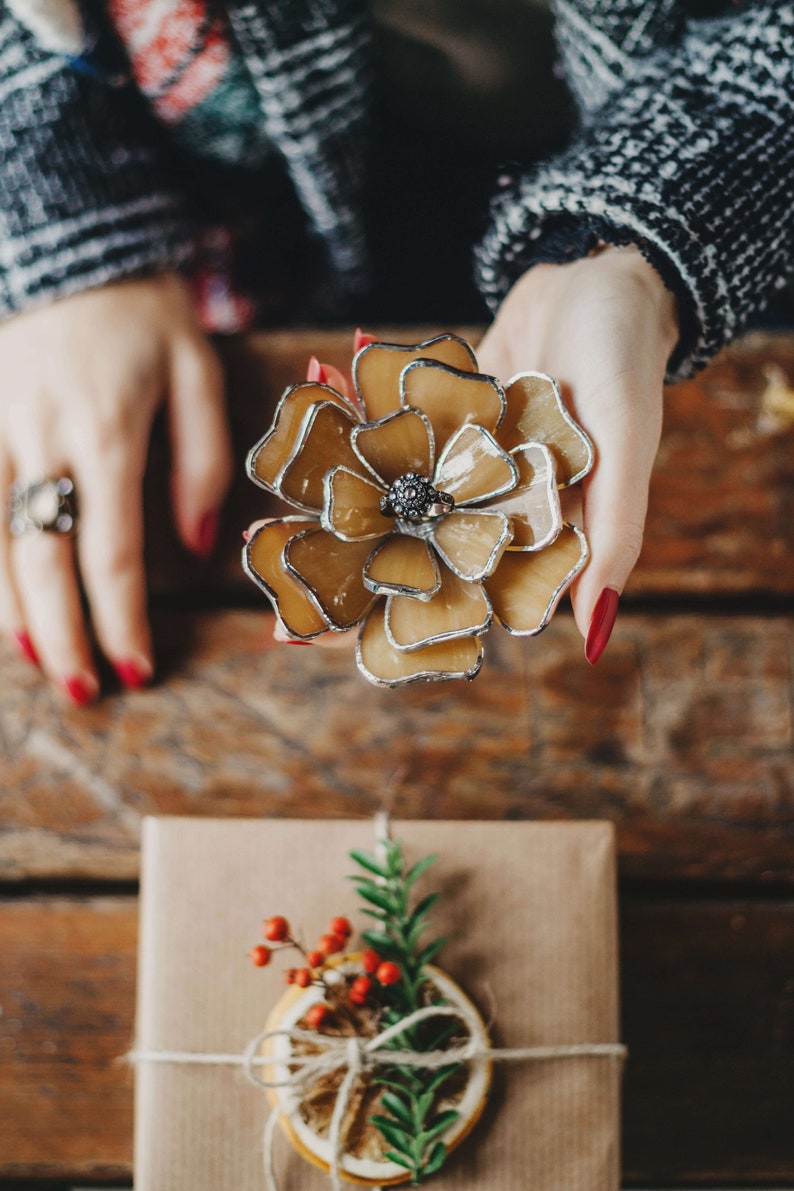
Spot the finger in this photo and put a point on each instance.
(202, 456)
(12, 619)
(110, 552)
(44, 575)
(615, 507)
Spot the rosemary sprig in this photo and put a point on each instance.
(412, 1127)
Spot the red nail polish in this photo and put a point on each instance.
(207, 534)
(601, 625)
(132, 674)
(292, 641)
(316, 372)
(79, 691)
(361, 339)
(26, 647)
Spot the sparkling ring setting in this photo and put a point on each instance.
(46, 506)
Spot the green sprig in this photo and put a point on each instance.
(412, 1127)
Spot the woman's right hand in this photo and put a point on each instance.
(80, 383)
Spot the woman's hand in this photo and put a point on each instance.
(604, 327)
(80, 383)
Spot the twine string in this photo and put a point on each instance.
(354, 1055)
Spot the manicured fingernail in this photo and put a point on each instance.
(316, 372)
(133, 674)
(80, 690)
(601, 625)
(292, 641)
(361, 339)
(246, 536)
(26, 647)
(207, 534)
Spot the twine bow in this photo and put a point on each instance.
(356, 1055)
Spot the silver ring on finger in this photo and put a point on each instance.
(44, 506)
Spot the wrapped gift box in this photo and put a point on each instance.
(529, 910)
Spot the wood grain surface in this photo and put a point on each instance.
(721, 517)
(708, 1009)
(683, 734)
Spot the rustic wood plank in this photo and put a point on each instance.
(708, 1003)
(721, 516)
(683, 735)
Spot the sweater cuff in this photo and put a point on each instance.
(566, 238)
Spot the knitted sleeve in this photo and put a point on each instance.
(686, 149)
(83, 199)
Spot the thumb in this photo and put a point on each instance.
(615, 507)
(200, 444)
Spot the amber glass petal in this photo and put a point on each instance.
(452, 399)
(332, 570)
(527, 586)
(268, 457)
(324, 443)
(458, 609)
(536, 413)
(533, 506)
(474, 467)
(396, 444)
(381, 663)
(352, 507)
(403, 565)
(262, 560)
(472, 542)
(377, 368)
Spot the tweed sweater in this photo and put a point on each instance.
(686, 147)
(90, 187)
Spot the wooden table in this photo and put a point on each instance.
(683, 735)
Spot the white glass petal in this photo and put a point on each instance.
(533, 506)
(474, 468)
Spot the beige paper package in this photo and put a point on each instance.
(530, 914)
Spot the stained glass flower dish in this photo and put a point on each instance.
(424, 507)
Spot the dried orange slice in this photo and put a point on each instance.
(305, 1112)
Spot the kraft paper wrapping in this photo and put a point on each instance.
(530, 913)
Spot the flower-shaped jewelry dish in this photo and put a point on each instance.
(426, 507)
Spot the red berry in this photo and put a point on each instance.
(260, 955)
(329, 944)
(317, 1015)
(388, 973)
(360, 989)
(340, 926)
(303, 977)
(276, 930)
(315, 959)
(370, 961)
(290, 974)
